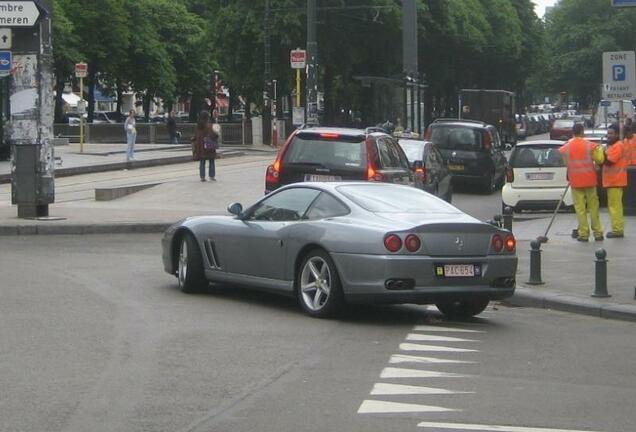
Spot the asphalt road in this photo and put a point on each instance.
(95, 337)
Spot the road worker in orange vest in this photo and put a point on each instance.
(580, 156)
(630, 145)
(615, 179)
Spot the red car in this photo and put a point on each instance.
(562, 129)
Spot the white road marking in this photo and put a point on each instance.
(416, 373)
(491, 428)
(379, 407)
(399, 389)
(403, 358)
(431, 328)
(432, 338)
(432, 348)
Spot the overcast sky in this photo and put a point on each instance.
(541, 4)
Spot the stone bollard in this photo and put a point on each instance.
(535, 263)
(600, 289)
(507, 218)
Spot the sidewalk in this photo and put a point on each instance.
(568, 266)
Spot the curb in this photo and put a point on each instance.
(117, 166)
(527, 297)
(122, 228)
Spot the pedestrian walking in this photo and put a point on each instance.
(615, 178)
(130, 126)
(171, 124)
(205, 143)
(580, 156)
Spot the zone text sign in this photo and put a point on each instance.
(298, 58)
(18, 13)
(619, 75)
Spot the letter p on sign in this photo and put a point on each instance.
(618, 71)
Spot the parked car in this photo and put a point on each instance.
(536, 177)
(562, 129)
(329, 244)
(598, 136)
(334, 154)
(522, 126)
(472, 149)
(431, 172)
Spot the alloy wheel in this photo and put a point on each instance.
(183, 263)
(315, 283)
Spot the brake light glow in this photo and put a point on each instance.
(497, 243)
(510, 243)
(412, 243)
(392, 243)
(420, 173)
(329, 135)
(272, 175)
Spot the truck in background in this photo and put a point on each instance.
(607, 112)
(495, 107)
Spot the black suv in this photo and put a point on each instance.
(472, 149)
(334, 154)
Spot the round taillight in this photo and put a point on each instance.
(412, 243)
(392, 243)
(497, 243)
(510, 243)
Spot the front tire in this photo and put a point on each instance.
(318, 285)
(462, 308)
(190, 273)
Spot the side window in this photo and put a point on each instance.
(288, 205)
(390, 154)
(326, 206)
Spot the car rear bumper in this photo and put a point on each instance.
(534, 198)
(365, 278)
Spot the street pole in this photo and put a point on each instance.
(267, 117)
(409, 55)
(31, 119)
(311, 91)
(81, 115)
(297, 87)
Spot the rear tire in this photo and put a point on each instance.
(318, 285)
(190, 275)
(490, 186)
(462, 308)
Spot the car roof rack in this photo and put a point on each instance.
(459, 120)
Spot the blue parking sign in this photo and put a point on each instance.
(624, 3)
(618, 72)
(5, 62)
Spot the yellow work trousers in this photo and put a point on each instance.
(586, 199)
(615, 209)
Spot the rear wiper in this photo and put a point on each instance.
(316, 164)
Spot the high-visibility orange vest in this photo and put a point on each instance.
(615, 169)
(630, 150)
(578, 155)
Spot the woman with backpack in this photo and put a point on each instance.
(205, 143)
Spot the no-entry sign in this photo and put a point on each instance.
(298, 59)
(81, 70)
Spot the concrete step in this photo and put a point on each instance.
(112, 193)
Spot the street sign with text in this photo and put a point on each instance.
(298, 58)
(5, 38)
(624, 3)
(6, 61)
(619, 75)
(81, 70)
(18, 13)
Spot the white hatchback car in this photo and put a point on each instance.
(536, 177)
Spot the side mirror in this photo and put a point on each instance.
(235, 208)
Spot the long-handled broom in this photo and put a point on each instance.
(544, 238)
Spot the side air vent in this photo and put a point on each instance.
(211, 254)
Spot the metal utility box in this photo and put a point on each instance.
(31, 188)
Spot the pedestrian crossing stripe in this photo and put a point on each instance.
(400, 389)
(403, 358)
(432, 348)
(383, 407)
(490, 428)
(416, 373)
(433, 328)
(432, 338)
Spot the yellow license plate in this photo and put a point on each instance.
(456, 167)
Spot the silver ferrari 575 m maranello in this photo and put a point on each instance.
(333, 243)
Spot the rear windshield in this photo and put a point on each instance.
(536, 156)
(456, 137)
(327, 152)
(563, 124)
(413, 149)
(387, 198)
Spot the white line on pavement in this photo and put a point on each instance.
(432, 338)
(379, 407)
(490, 428)
(403, 358)
(431, 328)
(399, 389)
(432, 348)
(416, 373)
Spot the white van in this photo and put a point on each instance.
(607, 112)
